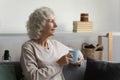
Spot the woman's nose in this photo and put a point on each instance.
(55, 25)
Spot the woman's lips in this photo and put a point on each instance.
(53, 29)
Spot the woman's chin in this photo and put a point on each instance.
(52, 34)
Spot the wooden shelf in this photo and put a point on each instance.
(109, 37)
(13, 34)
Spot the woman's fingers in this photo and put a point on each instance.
(66, 59)
(69, 55)
(80, 60)
(69, 58)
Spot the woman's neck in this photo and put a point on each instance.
(43, 42)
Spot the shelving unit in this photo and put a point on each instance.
(13, 34)
(73, 33)
(110, 38)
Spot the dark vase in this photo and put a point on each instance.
(6, 56)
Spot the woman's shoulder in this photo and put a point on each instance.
(53, 41)
(57, 43)
(27, 43)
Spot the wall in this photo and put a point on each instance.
(103, 13)
(14, 14)
(12, 43)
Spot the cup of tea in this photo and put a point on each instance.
(76, 54)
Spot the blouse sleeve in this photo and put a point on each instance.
(63, 47)
(30, 67)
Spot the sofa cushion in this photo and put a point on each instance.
(10, 71)
(101, 70)
(7, 72)
(72, 72)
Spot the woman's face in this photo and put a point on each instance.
(50, 26)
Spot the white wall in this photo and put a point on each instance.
(12, 43)
(105, 15)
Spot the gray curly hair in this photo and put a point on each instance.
(37, 21)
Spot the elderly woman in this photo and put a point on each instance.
(41, 57)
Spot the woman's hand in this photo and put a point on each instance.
(66, 59)
(79, 60)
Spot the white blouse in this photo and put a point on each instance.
(39, 63)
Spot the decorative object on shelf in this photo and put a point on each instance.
(95, 52)
(84, 25)
(6, 57)
(84, 17)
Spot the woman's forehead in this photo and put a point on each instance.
(51, 17)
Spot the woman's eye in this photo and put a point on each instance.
(50, 20)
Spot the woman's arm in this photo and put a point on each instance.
(30, 67)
